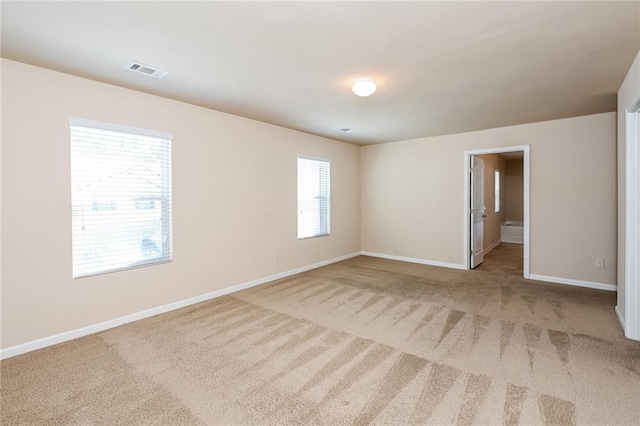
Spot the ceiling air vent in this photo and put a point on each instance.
(146, 70)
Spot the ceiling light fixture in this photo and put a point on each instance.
(346, 130)
(364, 86)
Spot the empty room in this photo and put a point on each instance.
(244, 213)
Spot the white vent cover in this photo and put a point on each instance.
(146, 70)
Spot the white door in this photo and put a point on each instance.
(477, 210)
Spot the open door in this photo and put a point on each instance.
(477, 210)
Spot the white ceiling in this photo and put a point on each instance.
(442, 67)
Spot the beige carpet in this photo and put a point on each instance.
(361, 341)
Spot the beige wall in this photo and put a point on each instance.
(627, 95)
(234, 192)
(514, 184)
(234, 200)
(412, 195)
(491, 231)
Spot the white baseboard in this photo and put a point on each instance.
(95, 328)
(414, 260)
(491, 247)
(620, 318)
(578, 283)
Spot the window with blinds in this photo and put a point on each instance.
(496, 189)
(314, 197)
(121, 197)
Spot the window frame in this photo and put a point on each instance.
(166, 197)
(328, 197)
(496, 190)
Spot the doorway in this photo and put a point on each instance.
(476, 212)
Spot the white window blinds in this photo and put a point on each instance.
(314, 197)
(121, 197)
(497, 191)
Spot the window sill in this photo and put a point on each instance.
(313, 236)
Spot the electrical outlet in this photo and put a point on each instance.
(599, 263)
(277, 257)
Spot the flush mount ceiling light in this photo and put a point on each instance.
(364, 86)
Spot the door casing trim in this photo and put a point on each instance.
(631, 323)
